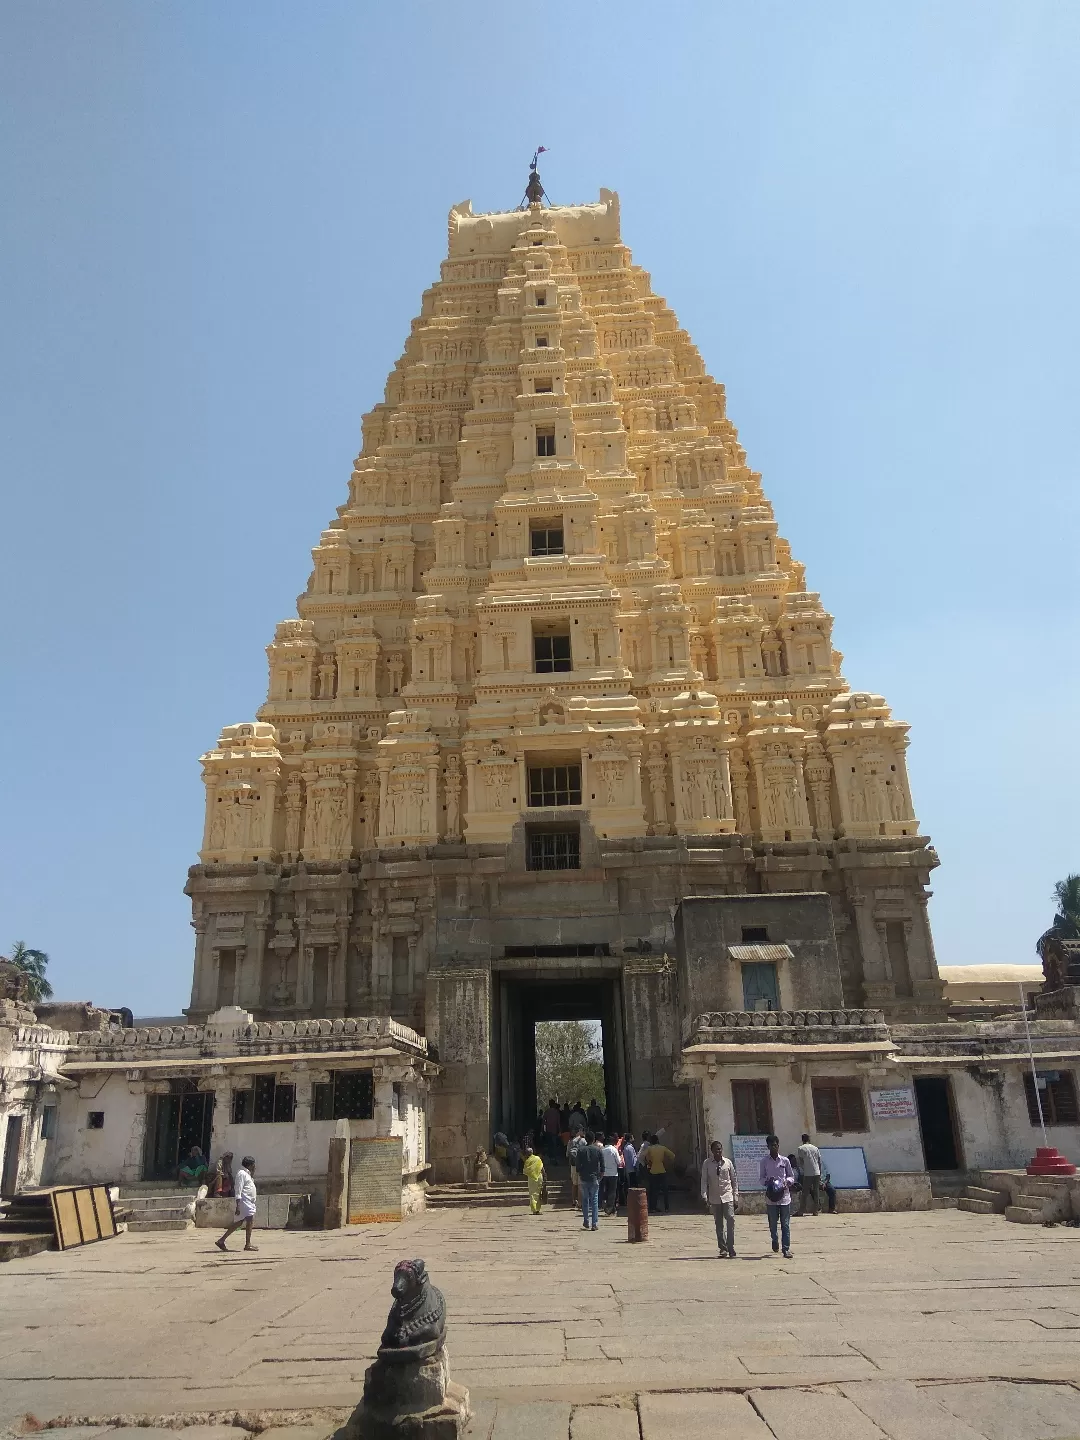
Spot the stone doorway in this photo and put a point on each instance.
(518, 1002)
(937, 1122)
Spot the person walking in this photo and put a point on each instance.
(577, 1117)
(246, 1197)
(534, 1174)
(596, 1117)
(720, 1191)
(659, 1160)
(611, 1176)
(577, 1142)
(778, 1179)
(590, 1166)
(810, 1166)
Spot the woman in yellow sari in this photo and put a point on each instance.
(534, 1174)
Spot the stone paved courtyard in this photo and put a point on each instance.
(937, 1326)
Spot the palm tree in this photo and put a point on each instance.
(32, 963)
(1066, 924)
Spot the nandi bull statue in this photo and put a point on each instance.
(408, 1391)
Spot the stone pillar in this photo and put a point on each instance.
(384, 781)
(677, 786)
(433, 795)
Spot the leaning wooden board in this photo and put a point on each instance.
(81, 1214)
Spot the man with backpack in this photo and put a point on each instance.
(778, 1180)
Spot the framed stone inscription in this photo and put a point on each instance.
(374, 1180)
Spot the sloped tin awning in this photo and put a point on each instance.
(760, 952)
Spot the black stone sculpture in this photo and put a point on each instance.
(416, 1326)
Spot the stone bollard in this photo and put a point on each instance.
(408, 1393)
(637, 1214)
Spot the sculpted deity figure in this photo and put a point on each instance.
(217, 828)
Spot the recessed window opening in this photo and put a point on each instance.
(266, 1103)
(541, 342)
(543, 386)
(347, 1095)
(553, 850)
(760, 989)
(95, 1120)
(546, 538)
(545, 440)
(551, 654)
(755, 935)
(541, 297)
(554, 785)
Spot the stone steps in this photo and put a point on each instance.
(944, 1202)
(499, 1195)
(975, 1207)
(979, 1200)
(157, 1212)
(1024, 1214)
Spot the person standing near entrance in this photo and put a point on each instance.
(659, 1160)
(809, 1157)
(778, 1180)
(611, 1176)
(534, 1174)
(590, 1165)
(246, 1197)
(577, 1142)
(720, 1191)
(551, 1127)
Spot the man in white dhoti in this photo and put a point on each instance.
(245, 1203)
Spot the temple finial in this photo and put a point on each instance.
(534, 191)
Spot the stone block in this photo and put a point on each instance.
(604, 1422)
(544, 1420)
(794, 1414)
(902, 1190)
(701, 1417)
(1024, 1214)
(975, 1207)
(906, 1411)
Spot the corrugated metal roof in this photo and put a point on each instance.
(760, 952)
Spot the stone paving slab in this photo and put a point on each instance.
(604, 1422)
(721, 1416)
(1000, 1411)
(795, 1414)
(907, 1412)
(545, 1420)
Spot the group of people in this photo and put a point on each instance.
(780, 1176)
(603, 1168)
(556, 1124)
(221, 1183)
(195, 1170)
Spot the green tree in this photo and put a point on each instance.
(1066, 924)
(569, 1062)
(33, 964)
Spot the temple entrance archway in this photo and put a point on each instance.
(519, 1001)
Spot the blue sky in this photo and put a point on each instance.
(218, 222)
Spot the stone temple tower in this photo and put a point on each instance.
(554, 669)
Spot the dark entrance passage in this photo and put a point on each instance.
(9, 1177)
(174, 1123)
(937, 1122)
(519, 1001)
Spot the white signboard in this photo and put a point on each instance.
(846, 1166)
(893, 1104)
(746, 1152)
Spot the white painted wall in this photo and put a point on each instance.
(995, 1131)
(889, 1144)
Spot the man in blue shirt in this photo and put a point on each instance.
(778, 1178)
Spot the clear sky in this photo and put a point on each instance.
(218, 221)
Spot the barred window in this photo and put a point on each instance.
(347, 1095)
(551, 653)
(554, 785)
(838, 1106)
(553, 850)
(547, 539)
(266, 1103)
(1057, 1091)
